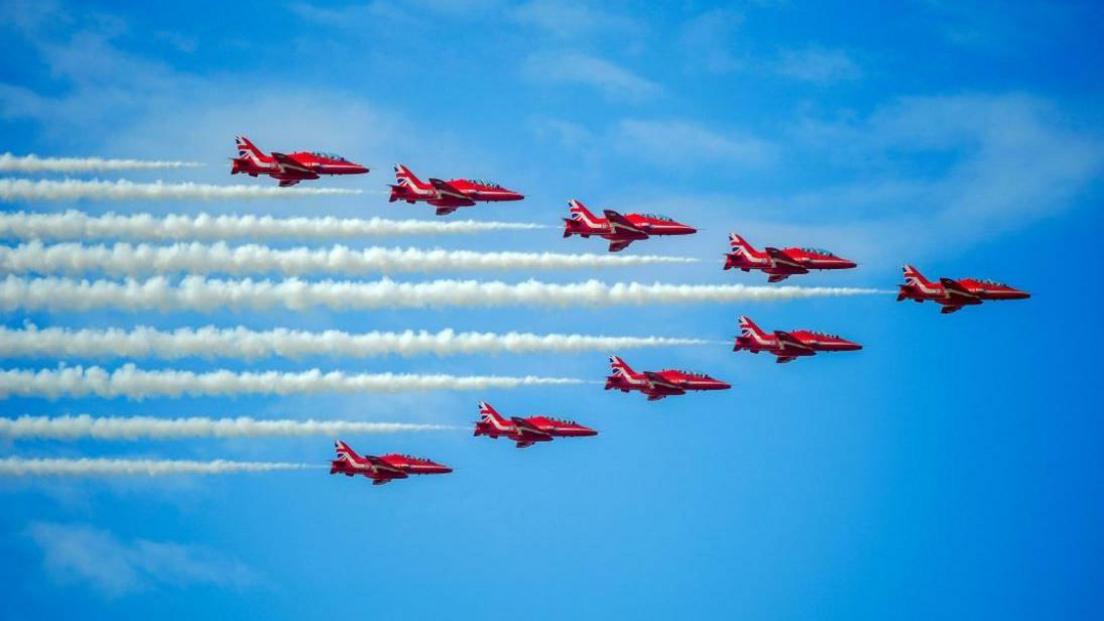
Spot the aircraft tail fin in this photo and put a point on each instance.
(620, 368)
(405, 178)
(247, 149)
(580, 213)
(345, 452)
(749, 327)
(913, 276)
(487, 413)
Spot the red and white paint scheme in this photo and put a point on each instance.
(289, 168)
(620, 230)
(383, 469)
(954, 294)
(780, 264)
(447, 196)
(658, 384)
(527, 431)
(788, 346)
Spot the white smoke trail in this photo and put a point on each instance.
(73, 189)
(124, 259)
(241, 343)
(19, 466)
(139, 427)
(34, 164)
(196, 293)
(77, 225)
(133, 383)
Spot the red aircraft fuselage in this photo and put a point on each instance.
(449, 195)
(954, 294)
(289, 168)
(790, 345)
(658, 384)
(780, 264)
(382, 469)
(527, 431)
(620, 230)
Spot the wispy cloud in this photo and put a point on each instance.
(131, 382)
(143, 226)
(706, 41)
(684, 144)
(123, 259)
(818, 65)
(73, 189)
(241, 343)
(77, 553)
(152, 427)
(196, 293)
(569, 20)
(613, 81)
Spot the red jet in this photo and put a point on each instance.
(290, 168)
(382, 469)
(781, 264)
(788, 345)
(526, 431)
(954, 294)
(659, 384)
(449, 195)
(620, 230)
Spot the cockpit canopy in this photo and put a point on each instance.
(656, 216)
(485, 183)
(820, 251)
(328, 156)
(991, 283)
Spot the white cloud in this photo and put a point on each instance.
(613, 81)
(75, 553)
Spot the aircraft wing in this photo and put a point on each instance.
(662, 384)
(453, 193)
(383, 467)
(617, 246)
(781, 259)
(526, 429)
(289, 164)
(957, 292)
(790, 344)
(621, 227)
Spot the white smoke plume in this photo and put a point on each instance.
(123, 259)
(240, 343)
(73, 189)
(34, 164)
(196, 293)
(137, 384)
(77, 225)
(86, 467)
(149, 427)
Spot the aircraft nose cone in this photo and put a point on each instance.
(852, 346)
(587, 431)
(444, 469)
(689, 230)
(848, 264)
(1022, 295)
(722, 385)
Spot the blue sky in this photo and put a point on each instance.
(950, 469)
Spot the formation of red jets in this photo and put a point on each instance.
(620, 230)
